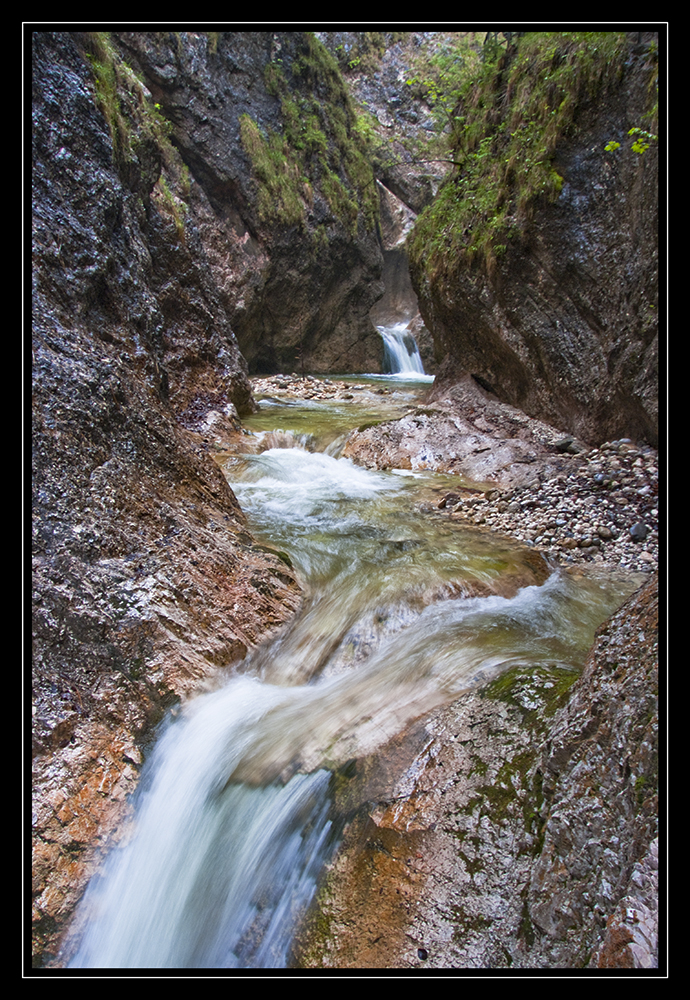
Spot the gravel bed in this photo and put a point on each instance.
(606, 511)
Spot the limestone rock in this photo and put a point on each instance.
(145, 580)
(297, 289)
(515, 829)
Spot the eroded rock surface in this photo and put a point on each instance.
(145, 579)
(518, 828)
(297, 269)
(564, 324)
(465, 431)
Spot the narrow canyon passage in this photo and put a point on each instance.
(407, 610)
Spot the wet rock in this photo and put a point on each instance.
(519, 825)
(569, 445)
(142, 566)
(443, 437)
(601, 779)
(289, 304)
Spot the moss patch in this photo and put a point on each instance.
(132, 117)
(143, 153)
(318, 145)
(537, 692)
(506, 123)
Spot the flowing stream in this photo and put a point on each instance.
(234, 816)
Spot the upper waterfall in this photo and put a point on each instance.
(400, 352)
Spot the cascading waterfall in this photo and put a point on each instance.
(400, 352)
(234, 818)
(214, 874)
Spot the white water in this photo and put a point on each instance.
(401, 356)
(213, 876)
(234, 817)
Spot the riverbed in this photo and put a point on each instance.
(404, 611)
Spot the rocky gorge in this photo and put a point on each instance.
(204, 238)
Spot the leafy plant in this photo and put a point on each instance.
(643, 140)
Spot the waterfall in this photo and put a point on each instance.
(400, 352)
(215, 874)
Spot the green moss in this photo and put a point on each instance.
(371, 423)
(468, 923)
(143, 154)
(283, 556)
(526, 928)
(478, 767)
(519, 781)
(364, 50)
(126, 105)
(505, 126)
(318, 145)
(174, 206)
(550, 685)
(282, 189)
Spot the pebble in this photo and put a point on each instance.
(592, 515)
(605, 512)
(306, 387)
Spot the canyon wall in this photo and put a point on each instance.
(557, 311)
(160, 253)
(203, 208)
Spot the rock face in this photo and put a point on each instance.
(468, 433)
(600, 782)
(265, 127)
(195, 195)
(520, 829)
(563, 323)
(376, 67)
(145, 579)
(192, 209)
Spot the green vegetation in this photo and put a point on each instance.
(641, 143)
(174, 206)
(140, 133)
(550, 685)
(505, 114)
(124, 101)
(364, 49)
(642, 138)
(318, 145)
(283, 188)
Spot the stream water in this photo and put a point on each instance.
(234, 818)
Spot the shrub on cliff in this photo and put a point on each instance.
(318, 147)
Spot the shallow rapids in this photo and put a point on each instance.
(234, 818)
